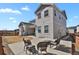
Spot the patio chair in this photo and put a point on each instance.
(42, 46)
(55, 43)
(31, 49)
(26, 43)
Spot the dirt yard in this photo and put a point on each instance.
(12, 39)
(15, 41)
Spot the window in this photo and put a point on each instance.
(39, 29)
(46, 29)
(39, 15)
(45, 13)
(59, 17)
(54, 12)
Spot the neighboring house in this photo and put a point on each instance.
(77, 28)
(26, 29)
(32, 22)
(17, 31)
(71, 29)
(50, 21)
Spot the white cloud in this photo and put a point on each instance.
(8, 10)
(25, 8)
(75, 17)
(12, 19)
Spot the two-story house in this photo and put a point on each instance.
(50, 21)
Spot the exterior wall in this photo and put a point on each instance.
(59, 25)
(26, 29)
(77, 29)
(31, 30)
(45, 21)
(21, 30)
(70, 30)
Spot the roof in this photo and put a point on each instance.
(16, 30)
(21, 23)
(64, 13)
(77, 25)
(32, 21)
(73, 27)
(42, 6)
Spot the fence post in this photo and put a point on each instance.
(73, 44)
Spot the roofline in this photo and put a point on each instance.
(53, 5)
(61, 11)
(25, 23)
(41, 5)
(71, 27)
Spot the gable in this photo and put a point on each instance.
(41, 7)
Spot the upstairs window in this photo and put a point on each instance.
(46, 28)
(45, 13)
(39, 15)
(39, 29)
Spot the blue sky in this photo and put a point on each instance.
(11, 14)
(72, 11)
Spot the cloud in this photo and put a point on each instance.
(12, 19)
(75, 17)
(8, 10)
(25, 8)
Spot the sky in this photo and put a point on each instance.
(11, 14)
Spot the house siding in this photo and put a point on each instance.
(57, 27)
(77, 29)
(27, 29)
(45, 21)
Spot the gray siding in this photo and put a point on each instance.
(57, 27)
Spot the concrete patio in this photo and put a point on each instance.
(18, 47)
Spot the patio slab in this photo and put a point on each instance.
(18, 48)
